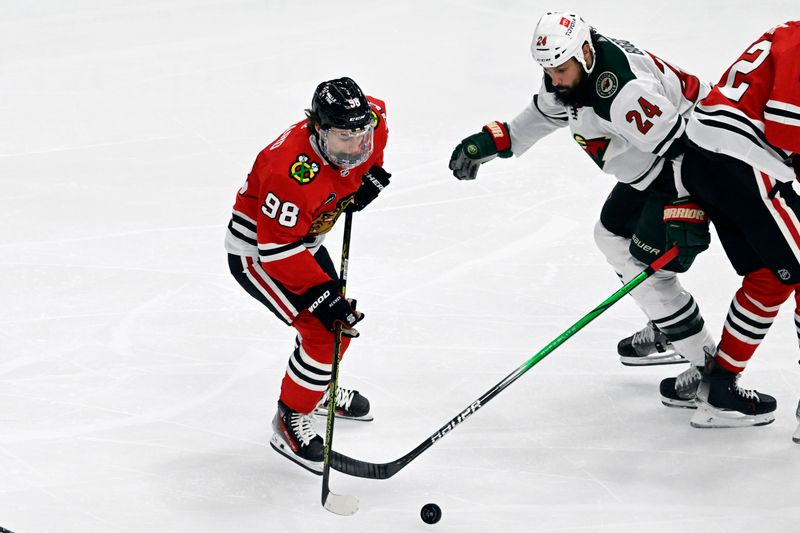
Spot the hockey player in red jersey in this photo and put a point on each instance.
(627, 110)
(743, 139)
(299, 185)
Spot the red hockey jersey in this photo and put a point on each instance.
(753, 114)
(292, 197)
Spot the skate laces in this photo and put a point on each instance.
(344, 397)
(646, 335)
(302, 427)
(689, 378)
(747, 394)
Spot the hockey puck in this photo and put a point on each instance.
(431, 513)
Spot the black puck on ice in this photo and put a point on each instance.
(431, 513)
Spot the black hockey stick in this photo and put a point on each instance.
(355, 467)
(337, 503)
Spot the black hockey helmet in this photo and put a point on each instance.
(340, 103)
(344, 117)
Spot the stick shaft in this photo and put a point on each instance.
(355, 467)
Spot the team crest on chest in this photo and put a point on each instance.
(594, 148)
(302, 170)
(325, 220)
(607, 84)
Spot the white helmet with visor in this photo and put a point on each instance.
(559, 37)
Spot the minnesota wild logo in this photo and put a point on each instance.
(302, 170)
(595, 148)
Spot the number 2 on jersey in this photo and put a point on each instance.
(650, 111)
(744, 66)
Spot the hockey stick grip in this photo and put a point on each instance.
(662, 261)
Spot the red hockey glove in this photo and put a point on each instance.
(687, 226)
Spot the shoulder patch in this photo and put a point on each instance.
(607, 84)
(303, 170)
(610, 75)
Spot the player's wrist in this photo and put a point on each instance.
(500, 136)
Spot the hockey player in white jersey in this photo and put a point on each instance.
(627, 109)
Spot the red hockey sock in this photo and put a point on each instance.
(308, 372)
(750, 315)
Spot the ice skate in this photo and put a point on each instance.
(796, 436)
(648, 346)
(296, 439)
(681, 391)
(721, 403)
(350, 404)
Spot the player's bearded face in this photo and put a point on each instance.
(570, 82)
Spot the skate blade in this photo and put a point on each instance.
(323, 411)
(710, 417)
(679, 404)
(796, 436)
(653, 359)
(315, 467)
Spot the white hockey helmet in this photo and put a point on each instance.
(558, 37)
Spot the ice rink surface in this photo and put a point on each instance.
(137, 380)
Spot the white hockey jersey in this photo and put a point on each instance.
(637, 107)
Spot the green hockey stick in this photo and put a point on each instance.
(355, 467)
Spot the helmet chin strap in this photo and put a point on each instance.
(582, 61)
(314, 140)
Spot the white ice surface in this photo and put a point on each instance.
(137, 380)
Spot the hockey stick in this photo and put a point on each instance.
(355, 467)
(341, 504)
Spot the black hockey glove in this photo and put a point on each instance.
(331, 308)
(373, 182)
(476, 149)
(687, 226)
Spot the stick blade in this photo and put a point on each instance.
(341, 504)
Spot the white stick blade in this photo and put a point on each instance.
(341, 504)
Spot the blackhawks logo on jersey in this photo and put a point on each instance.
(595, 148)
(325, 221)
(303, 170)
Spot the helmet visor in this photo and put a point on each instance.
(347, 148)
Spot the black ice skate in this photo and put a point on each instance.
(796, 436)
(296, 438)
(648, 347)
(721, 403)
(349, 404)
(681, 391)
